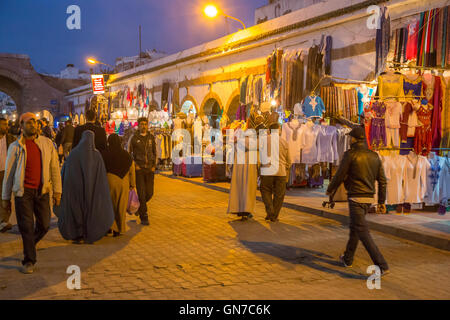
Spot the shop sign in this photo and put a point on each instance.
(98, 84)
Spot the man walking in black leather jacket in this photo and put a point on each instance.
(142, 148)
(359, 170)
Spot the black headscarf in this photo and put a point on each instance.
(117, 160)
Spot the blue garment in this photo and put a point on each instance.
(360, 99)
(313, 107)
(121, 129)
(412, 88)
(86, 209)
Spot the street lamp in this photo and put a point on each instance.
(93, 61)
(212, 12)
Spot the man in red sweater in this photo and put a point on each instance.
(32, 171)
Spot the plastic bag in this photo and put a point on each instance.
(133, 202)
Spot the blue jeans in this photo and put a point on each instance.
(29, 207)
(359, 230)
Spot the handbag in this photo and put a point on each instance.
(133, 202)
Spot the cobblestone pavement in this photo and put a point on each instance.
(194, 250)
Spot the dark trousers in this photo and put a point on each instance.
(29, 207)
(359, 230)
(273, 189)
(144, 184)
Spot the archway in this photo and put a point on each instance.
(8, 107)
(232, 105)
(212, 107)
(188, 105)
(213, 111)
(12, 92)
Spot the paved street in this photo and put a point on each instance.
(194, 250)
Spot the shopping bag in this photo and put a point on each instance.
(133, 202)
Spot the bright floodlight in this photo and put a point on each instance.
(91, 61)
(211, 11)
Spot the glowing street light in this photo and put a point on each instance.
(212, 12)
(93, 61)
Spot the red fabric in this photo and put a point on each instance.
(33, 166)
(407, 110)
(437, 108)
(411, 47)
(422, 139)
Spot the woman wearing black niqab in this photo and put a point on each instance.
(121, 178)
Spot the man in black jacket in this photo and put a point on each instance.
(359, 170)
(100, 133)
(67, 138)
(142, 148)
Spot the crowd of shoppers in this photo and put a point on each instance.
(90, 193)
(86, 177)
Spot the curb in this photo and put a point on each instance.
(430, 240)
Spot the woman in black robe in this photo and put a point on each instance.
(86, 211)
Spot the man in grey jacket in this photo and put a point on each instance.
(31, 172)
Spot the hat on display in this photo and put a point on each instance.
(358, 133)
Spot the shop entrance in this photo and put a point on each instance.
(212, 110)
(232, 108)
(188, 107)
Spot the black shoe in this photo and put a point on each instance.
(116, 234)
(267, 218)
(385, 272)
(274, 219)
(78, 240)
(27, 268)
(341, 258)
(145, 223)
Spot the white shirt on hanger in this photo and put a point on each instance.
(394, 168)
(415, 178)
(291, 133)
(310, 148)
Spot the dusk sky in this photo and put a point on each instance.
(109, 28)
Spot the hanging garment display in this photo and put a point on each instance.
(378, 126)
(423, 134)
(392, 121)
(291, 133)
(415, 178)
(310, 147)
(327, 139)
(382, 40)
(433, 174)
(313, 107)
(394, 169)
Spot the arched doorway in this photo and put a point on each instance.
(232, 108)
(188, 105)
(8, 107)
(213, 111)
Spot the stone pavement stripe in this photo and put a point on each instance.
(427, 239)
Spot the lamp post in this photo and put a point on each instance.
(212, 11)
(94, 61)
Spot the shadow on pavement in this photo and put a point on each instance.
(53, 262)
(251, 233)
